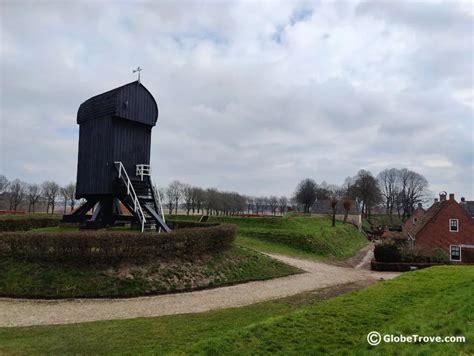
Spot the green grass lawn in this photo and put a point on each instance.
(434, 301)
(277, 248)
(306, 237)
(33, 279)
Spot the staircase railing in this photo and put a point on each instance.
(145, 170)
(157, 196)
(122, 173)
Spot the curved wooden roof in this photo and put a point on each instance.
(131, 102)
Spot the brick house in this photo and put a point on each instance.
(414, 218)
(445, 226)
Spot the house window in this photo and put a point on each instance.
(453, 225)
(455, 253)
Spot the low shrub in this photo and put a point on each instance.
(109, 247)
(439, 256)
(28, 223)
(416, 255)
(185, 224)
(387, 252)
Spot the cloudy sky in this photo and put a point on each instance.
(253, 96)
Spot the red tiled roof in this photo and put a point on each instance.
(430, 213)
(394, 235)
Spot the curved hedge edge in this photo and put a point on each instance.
(183, 224)
(28, 223)
(110, 247)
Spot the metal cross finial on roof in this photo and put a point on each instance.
(138, 70)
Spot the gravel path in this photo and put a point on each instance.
(15, 312)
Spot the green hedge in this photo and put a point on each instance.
(184, 224)
(387, 252)
(84, 247)
(28, 223)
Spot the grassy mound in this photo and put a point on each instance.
(46, 280)
(434, 301)
(308, 237)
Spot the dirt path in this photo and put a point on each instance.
(15, 312)
(364, 263)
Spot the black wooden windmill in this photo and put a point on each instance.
(114, 160)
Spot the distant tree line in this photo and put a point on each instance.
(211, 201)
(395, 190)
(48, 193)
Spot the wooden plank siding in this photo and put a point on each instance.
(131, 143)
(113, 126)
(94, 157)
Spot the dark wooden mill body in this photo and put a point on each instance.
(114, 159)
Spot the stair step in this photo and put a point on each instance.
(145, 197)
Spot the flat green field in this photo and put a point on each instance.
(431, 302)
(46, 280)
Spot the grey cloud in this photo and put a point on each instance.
(237, 110)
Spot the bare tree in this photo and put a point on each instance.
(211, 201)
(387, 180)
(334, 209)
(273, 203)
(3, 183)
(68, 193)
(199, 196)
(283, 204)
(347, 204)
(17, 190)
(413, 188)
(71, 189)
(187, 194)
(366, 190)
(50, 191)
(65, 196)
(250, 201)
(34, 194)
(305, 193)
(173, 195)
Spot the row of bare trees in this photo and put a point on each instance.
(211, 201)
(49, 193)
(398, 190)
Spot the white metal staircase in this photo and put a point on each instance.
(122, 174)
(143, 197)
(145, 170)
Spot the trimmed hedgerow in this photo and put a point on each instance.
(387, 252)
(28, 223)
(184, 224)
(109, 247)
